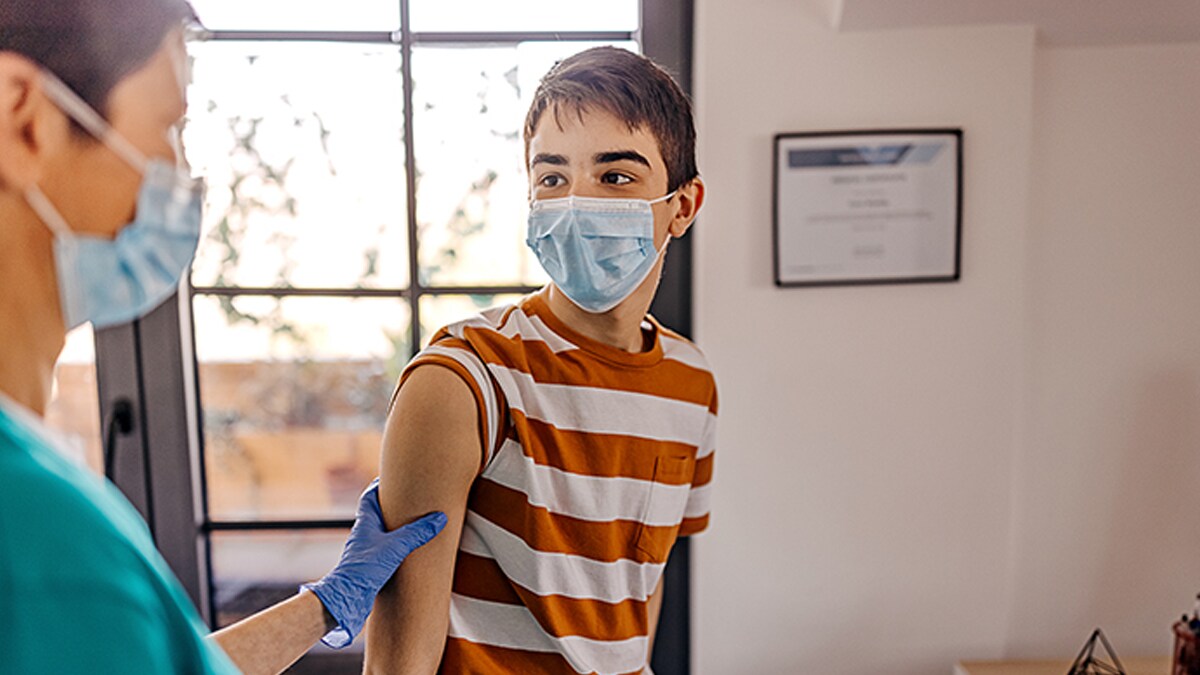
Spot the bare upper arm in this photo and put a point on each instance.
(431, 453)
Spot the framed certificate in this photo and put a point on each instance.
(868, 207)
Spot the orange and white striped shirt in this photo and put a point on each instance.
(597, 460)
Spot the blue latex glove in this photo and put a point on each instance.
(370, 558)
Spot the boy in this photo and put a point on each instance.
(568, 437)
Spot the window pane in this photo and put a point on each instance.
(523, 15)
(295, 394)
(254, 570)
(301, 145)
(438, 311)
(366, 15)
(74, 409)
(469, 109)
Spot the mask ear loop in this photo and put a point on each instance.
(77, 109)
(665, 197)
(667, 241)
(50, 216)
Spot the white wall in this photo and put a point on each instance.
(1107, 523)
(898, 465)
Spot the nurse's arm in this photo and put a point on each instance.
(275, 638)
(431, 454)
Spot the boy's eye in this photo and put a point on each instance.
(613, 178)
(550, 180)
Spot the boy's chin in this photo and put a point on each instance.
(631, 303)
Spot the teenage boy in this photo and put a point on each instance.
(568, 437)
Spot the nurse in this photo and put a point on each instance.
(98, 221)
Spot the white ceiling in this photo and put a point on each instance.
(1059, 22)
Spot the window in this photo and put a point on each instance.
(365, 187)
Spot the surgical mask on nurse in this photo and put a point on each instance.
(114, 281)
(596, 250)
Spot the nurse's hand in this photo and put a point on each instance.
(371, 557)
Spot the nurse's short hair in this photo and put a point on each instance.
(629, 86)
(91, 45)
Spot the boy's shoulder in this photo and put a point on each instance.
(519, 323)
(526, 330)
(676, 347)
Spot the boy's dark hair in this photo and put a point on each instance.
(631, 87)
(91, 45)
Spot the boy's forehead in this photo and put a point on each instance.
(583, 134)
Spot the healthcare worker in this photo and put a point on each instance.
(98, 221)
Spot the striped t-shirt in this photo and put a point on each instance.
(596, 460)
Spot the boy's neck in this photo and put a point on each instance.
(620, 328)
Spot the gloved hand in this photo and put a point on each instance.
(370, 558)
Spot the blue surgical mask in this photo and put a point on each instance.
(114, 281)
(597, 251)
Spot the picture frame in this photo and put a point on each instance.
(880, 206)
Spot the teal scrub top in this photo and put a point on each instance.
(82, 588)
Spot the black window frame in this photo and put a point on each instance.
(150, 365)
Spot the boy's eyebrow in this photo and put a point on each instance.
(545, 158)
(621, 156)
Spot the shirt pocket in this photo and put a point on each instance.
(660, 522)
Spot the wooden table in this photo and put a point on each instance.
(1142, 666)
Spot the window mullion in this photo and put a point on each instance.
(374, 37)
(510, 37)
(410, 178)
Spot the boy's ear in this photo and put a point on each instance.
(26, 120)
(691, 198)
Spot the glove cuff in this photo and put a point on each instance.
(341, 635)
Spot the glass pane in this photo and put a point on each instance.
(254, 570)
(295, 394)
(366, 15)
(438, 311)
(74, 409)
(472, 200)
(301, 144)
(523, 15)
